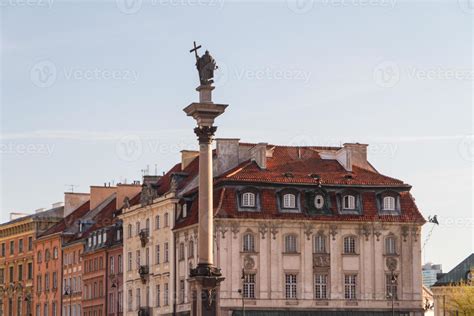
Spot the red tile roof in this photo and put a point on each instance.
(68, 220)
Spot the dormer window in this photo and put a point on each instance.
(100, 239)
(248, 199)
(319, 201)
(289, 200)
(389, 203)
(349, 202)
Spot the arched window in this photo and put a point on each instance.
(290, 244)
(350, 245)
(147, 224)
(390, 245)
(55, 252)
(47, 255)
(349, 202)
(129, 231)
(248, 199)
(39, 257)
(167, 220)
(289, 200)
(389, 203)
(157, 222)
(248, 242)
(319, 243)
(137, 225)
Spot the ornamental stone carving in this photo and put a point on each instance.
(249, 262)
(308, 230)
(235, 228)
(321, 260)
(365, 231)
(391, 263)
(262, 228)
(333, 231)
(274, 230)
(405, 232)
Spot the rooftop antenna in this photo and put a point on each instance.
(71, 187)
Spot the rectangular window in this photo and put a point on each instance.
(20, 272)
(12, 247)
(249, 285)
(119, 298)
(166, 294)
(139, 298)
(289, 201)
(320, 286)
(46, 282)
(119, 263)
(30, 243)
(350, 286)
(158, 294)
(112, 265)
(181, 291)
(111, 303)
(166, 250)
(11, 274)
(147, 256)
(20, 245)
(130, 300)
(55, 280)
(290, 286)
(157, 254)
(319, 244)
(129, 262)
(181, 251)
(157, 222)
(2, 252)
(137, 253)
(391, 286)
(2, 276)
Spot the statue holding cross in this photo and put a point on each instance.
(205, 65)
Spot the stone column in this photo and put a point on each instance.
(206, 277)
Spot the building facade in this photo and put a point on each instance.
(430, 273)
(18, 294)
(314, 229)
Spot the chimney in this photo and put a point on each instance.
(73, 200)
(100, 194)
(187, 156)
(227, 151)
(259, 154)
(126, 191)
(354, 155)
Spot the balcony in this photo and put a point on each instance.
(144, 271)
(144, 311)
(144, 234)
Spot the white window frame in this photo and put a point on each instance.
(321, 286)
(248, 242)
(389, 203)
(390, 245)
(348, 202)
(248, 199)
(249, 285)
(350, 286)
(291, 243)
(319, 244)
(316, 204)
(289, 201)
(350, 245)
(291, 286)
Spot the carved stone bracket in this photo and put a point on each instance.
(235, 228)
(249, 262)
(274, 230)
(263, 228)
(308, 231)
(186, 236)
(405, 232)
(391, 263)
(365, 231)
(205, 133)
(333, 231)
(415, 233)
(377, 233)
(221, 228)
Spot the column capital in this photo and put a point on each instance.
(205, 134)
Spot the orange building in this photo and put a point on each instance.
(17, 237)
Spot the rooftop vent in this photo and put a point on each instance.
(288, 175)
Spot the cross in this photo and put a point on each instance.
(195, 50)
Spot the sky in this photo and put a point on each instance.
(92, 92)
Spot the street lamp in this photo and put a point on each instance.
(115, 286)
(68, 292)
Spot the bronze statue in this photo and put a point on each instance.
(205, 66)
